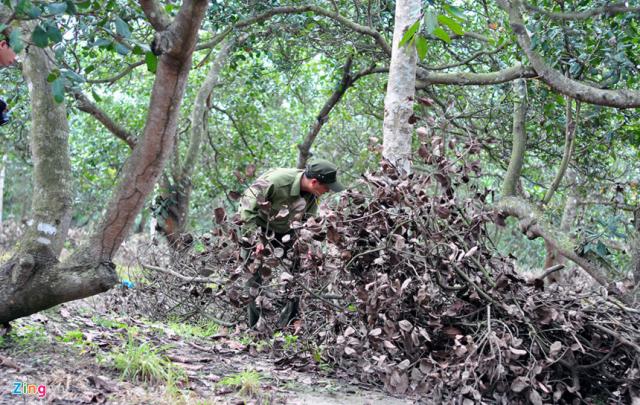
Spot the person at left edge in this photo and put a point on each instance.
(7, 58)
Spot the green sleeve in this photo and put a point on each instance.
(249, 208)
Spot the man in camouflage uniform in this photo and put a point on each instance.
(273, 202)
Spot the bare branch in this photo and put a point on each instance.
(553, 78)
(569, 144)
(551, 270)
(361, 29)
(519, 134)
(611, 203)
(609, 9)
(237, 127)
(346, 82)
(531, 225)
(469, 79)
(468, 60)
(84, 104)
(119, 76)
(205, 280)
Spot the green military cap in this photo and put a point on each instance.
(325, 172)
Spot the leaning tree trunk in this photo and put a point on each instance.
(2, 176)
(174, 220)
(398, 103)
(519, 134)
(553, 257)
(33, 280)
(304, 148)
(635, 250)
(569, 214)
(52, 181)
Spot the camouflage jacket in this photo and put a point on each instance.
(274, 201)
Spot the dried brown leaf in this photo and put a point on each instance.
(519, 384)
(405, 325)
(534, 397)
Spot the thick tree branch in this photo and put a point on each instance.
(569, 143)
(470, 79)
(519, 134)
(84, 104)
(531, 225)
(346, 82)
(198, 112)
(147, 159)
(609, 9)
(158, 18)
(554, 79)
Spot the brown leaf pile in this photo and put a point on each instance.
(401, 285)
(438, 313)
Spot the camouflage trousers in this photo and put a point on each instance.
(290, 309)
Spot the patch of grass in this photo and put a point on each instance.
(140, 362)
(78, 339)
(290, 341)
(26, 337)
(201, 330)
(108, 323)
(73, 336)
(247, 382)
(246, 340)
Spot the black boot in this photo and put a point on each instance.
(289, 312)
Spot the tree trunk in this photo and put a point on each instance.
(635, 249)
(569, 145)
(2, 175)
(177, 199)
(519, 134)
(569, 214)
(142, 169)
(52, 182)
(33, 279)
(398, 103)
(305, 147)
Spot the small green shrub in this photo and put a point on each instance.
(202, 330)
(108, 323)
(141, 362)
(73, 336)
(28, 336)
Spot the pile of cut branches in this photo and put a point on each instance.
(401, 285)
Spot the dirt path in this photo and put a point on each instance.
(70, 355)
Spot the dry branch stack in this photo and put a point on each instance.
(401, 285)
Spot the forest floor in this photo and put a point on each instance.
(82, 353)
